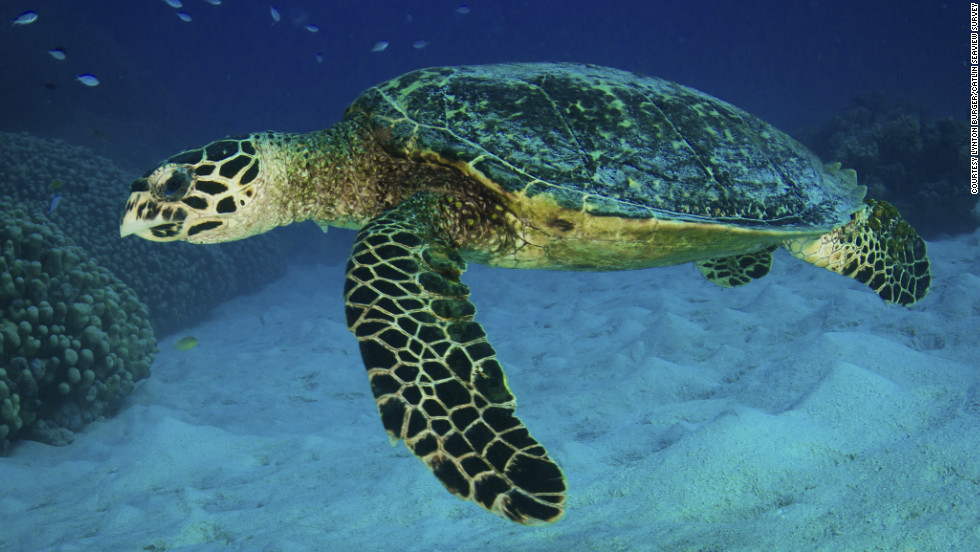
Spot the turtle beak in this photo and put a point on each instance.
(150, 219)
(130, 225)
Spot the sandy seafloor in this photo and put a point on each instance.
(797, 413)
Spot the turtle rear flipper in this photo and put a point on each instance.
(877, 248)
(737, 270)
(433, 373)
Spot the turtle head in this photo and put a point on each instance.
(220, 192)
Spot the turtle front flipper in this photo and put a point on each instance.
(877, 247)
(433, 373)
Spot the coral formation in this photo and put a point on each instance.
(76, 313)
(179, 282)
(919, 165)
(74, 339)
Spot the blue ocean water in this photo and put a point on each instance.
(166, 84)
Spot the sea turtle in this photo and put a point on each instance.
(537, 165)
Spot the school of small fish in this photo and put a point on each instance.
(90, 80)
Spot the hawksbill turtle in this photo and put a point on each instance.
(539, 165)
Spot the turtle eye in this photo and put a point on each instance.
(174, 185)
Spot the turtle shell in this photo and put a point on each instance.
(609, 142)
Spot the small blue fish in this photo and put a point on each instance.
(184, 16)
(88, 79)
(55, 200)
(419, 44)
(275, 14)
(380, 46)
(25, 18)
(58, 54)
(313, 28)
(319, 58)
(214, 2)
(176, 4)
(463, 9)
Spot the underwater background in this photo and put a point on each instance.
(166, 83)
(228, 408)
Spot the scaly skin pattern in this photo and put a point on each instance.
(877, 248)
(737, 270)
(434, 374)
(544, 166)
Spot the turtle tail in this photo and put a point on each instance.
(877, 247)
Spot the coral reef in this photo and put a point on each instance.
(76, 312)
(918, 164)
(179, 282)
(74, 339)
